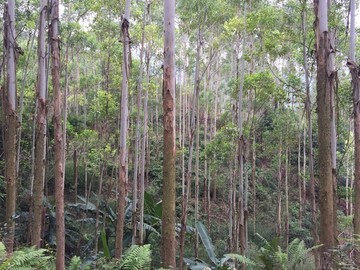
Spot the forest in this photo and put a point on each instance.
(188, 134)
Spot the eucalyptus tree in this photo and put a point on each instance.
(10, 117)
(40, 133)
(168, 242)
(355, 83)
(58, 133)
(326, 205)
(123, 158)
(203, 18)
(309, 122)
(137, 137)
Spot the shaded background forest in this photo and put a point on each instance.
(266, 49)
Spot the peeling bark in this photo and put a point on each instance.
(168, 243)
(40, 133)
(58, 141)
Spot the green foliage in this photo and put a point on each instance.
(223, 144)
(105, 244)
(102, 106)
(206, 242)
(76, 264)
(25, 258)
(264, 85)
(272, 257)
(219, 263)
(134, 258)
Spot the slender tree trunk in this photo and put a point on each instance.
(309, 121)
(355, 83)
(58, 141)
(186, 195)
(333, 88)
(196, 247)
(241, 147)
(314, 229)
(138, 134)
(347, 186)
(40, 133)
(279, 193)
(10, 122)
(21, 106)
(232, 231)
(299, 180)
(76, 170)
(168, 189)
(326, 196)
(287, 213)
(123, 158)
(97, 218)
(143, 146)
(253, 178)
(351, 210)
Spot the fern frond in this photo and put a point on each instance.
(237, 257)
(74, 263)
(27, 258)
(136, 258)
(297, 252)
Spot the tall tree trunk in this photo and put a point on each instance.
(355, 83)
(21, 106)
(168, 189)
(279, 192)
(143, 155)
(123, 178)
(58, 141)
(97, 211)
(241, 147)
(333, 93)
(323, 51)
(40, 133)
(186, 194)
(314, 229)
(253, 177)
(287, 213)
(10, 122)
(76, 170)
(138, 134)
(197, 160)
(347, 186)
(299, 180)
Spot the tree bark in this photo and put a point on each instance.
(299, 180)
(76, 170)
(10, 107)
(58, 141)
(192, 130)
(355, 83)
(326, 195)
(287, 213)
(123, 179)
(168, 189)
(314, 229)
(40, 132)
(143, 155)
(279, 192)
(168, 253)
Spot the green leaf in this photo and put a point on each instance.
(105, 244)
(206, 240)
